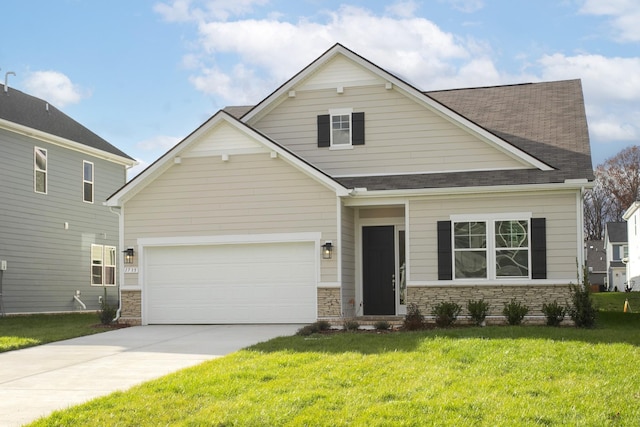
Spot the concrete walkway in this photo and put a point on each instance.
(37, 381)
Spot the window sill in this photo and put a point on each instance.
(341, 147)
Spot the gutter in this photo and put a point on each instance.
(120, 264)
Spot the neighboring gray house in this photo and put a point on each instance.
(615, 244)
(57, 238)
(596, 259)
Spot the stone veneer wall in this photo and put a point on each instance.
(533, 296)
(329, 302)
(131, 308)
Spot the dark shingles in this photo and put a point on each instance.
(35, 113)
(617, 232)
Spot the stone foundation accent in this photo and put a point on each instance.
(533, 296)
(131, 308)
(329, 302)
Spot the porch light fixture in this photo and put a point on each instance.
(327, 250)
(128, 255)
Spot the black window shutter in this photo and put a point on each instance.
(324, 131)
(357, 135)
(445, 270)
(538, 248)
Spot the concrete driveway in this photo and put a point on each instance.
(37, 381)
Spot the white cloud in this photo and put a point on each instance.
(402, 9)
(624, 16)
(466, 6)
(189, 10)
(612, 91)
(54, 87)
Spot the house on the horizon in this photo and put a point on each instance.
(348, 192)
(59, 245)
(632, 261)
(615, 243)
(596, 261)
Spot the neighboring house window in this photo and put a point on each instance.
(87, 181)
(341, 128)
(103, 265)
(492, 249)
(40, 170)
(620, 252)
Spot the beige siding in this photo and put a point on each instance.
(559, 209)
(401, 135)
(249, 194)
(348, 247)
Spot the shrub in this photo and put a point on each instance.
(107, 312)
(351, 325)
(515, 312)
(478, 310)
(554, 313)
(323, 325)
(446, 313)
(582, 311)
(307, 330)
(382, 325)
(413, 320)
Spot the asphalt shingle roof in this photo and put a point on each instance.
(617, 232)
(21, 108)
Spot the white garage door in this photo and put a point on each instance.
(230, 283)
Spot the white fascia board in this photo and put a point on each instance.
(268, 103)
(630, 211)
(65, 143)
(365, 198)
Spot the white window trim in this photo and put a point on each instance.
(341, 112)
(103, 265)
(92, 182)
(490, 220)
(36, 170)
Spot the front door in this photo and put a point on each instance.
(378, 270)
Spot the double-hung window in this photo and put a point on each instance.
(103, 265)
(87, 181)
(40, 170)
(491, 248)
(341, 128)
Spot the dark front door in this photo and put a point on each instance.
(378, 270)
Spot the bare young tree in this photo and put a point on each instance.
(597, 208)
(621, 179)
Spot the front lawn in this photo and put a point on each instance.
(26, 331)
(614, 301)
(525, 376)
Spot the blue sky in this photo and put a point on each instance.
(143, 74)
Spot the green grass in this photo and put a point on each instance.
(614, 301)
(26, 331)
(506, 376)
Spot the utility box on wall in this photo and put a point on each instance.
(3, 265)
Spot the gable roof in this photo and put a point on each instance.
(34, 113)
(616, 232)
(542, 124)
(596, 255)
(166, 160)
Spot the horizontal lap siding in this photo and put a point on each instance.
(46, 264)
(249, 194)
(348, 262)
(559, 209)
(401, 135)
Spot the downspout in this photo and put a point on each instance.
(581, 260)
(120, 263)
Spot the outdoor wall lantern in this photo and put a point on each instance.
(128, 255)
(327, 250)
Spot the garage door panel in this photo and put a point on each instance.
(238, 283)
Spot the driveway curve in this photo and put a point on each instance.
(39, 380)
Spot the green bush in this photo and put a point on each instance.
(351, 325)
(478, 310)
(107, 312)
(413, 320)
(382, 325)
(554, 313)
(307, 330)
(582, 311)
(446, 313)
(323, 325)
(514, 311)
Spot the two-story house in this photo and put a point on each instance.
(632, 218)
(59, 243)
(615, 244)
(349, 192)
